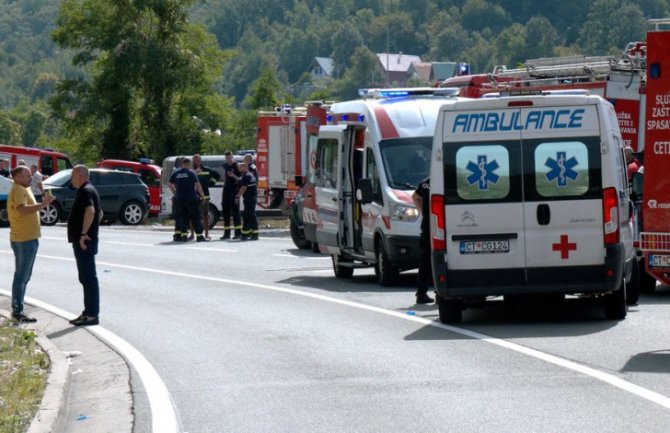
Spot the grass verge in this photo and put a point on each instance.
(24, 368)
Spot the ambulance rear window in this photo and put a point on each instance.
(482, 172)
(561, 169)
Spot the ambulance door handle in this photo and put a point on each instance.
(543, 214)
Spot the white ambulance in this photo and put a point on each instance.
(370, 157)
(529, 196)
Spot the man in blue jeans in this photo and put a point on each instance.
(24, 232)
(82, 233)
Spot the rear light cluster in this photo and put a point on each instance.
(611, 216)
(437, 224)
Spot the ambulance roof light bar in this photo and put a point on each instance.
(407, 92)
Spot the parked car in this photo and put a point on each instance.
(5, 187)
(150, 173)
(123, 195)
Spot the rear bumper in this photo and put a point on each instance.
(519, 281)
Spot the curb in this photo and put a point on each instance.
(51, 411)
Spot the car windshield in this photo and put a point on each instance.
(59, 179)
(406, 160)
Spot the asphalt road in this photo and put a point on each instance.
(260, 337)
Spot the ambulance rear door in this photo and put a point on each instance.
(563, 197)
(328, 179)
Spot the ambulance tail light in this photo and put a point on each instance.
(611, 216)
(437, 223)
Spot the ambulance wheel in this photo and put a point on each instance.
(4, 215)
(131, 213)
(387, 273)
(213, 215)
(340, 270)
(633, 288)
(298, 236)
(647, 282)
(615, 304)
(50, 215)
(451, 310)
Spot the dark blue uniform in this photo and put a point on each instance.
(228, 203)
(424, 277)
(187, 202)
(250, 224)
(207, 177)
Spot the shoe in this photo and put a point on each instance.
(423, 298)
(85, 321)
(237, 237)
(201, 239)
(75, 320)
(244, 238)
(183, 239)
(253, 238)
(22, 318)
(226, 235)
(176, 238)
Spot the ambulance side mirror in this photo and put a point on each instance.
(299, 181)
(364, 192)
(636, 185)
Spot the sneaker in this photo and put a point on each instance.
(85, 321)
(201, 239)
(423, 298)
(22, 318)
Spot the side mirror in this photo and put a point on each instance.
(636, 185)
(364, 192)
(299, 181)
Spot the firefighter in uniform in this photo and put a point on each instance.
(231, 177)
(207, 177)
(421, 198)
(175, 207)
(184, 183)
(248, 193)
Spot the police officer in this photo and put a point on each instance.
(207, 177)
(248, 193)
(184, 183)
(175, 206)
(231, 177)
(421, 198)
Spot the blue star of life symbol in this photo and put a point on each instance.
(561, 169)
(482, 172)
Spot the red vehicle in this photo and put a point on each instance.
(47, 160)
(148, 171)
(655, 198)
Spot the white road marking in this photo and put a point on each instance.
(293, 256)
(163, 413)
(140, 244)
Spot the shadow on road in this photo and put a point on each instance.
(357, 284)
(660, 296)
(657, 361)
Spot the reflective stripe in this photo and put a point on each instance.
(255, 232)
(246, 232)
(237, 227)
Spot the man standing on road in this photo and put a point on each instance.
(207, 177)
(421, 198)
(24, 232)
(248, 192)
(229, 205)
(4, 168)
(36, 185)
(82, 233)
(184, 183)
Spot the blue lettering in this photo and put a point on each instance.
(473, 123)
(546, 114)
(576, 118)
(492, 120)
(556, 119)
(517, 121)
(508, 121)
(462, 121)
(534, 117)
(508, 127)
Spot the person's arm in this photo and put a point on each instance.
(241, 192)
(27, 209)
(172, 187)
(418, 201)
(199, 190)
(89, 216)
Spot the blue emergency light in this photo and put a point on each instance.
(463, 69)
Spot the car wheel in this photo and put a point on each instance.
(132, 213)
(50, 215)
(212, 215)
(340, 270)
(615, 304)
(647, 282)
(4, 215)
(387, 273)
(450, 310)
(633, 288)
(298, 236)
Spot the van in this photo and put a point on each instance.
(148, 171)
(48, 161)
(215, 192)
(529, 196)
(371, 155)
(5, 186)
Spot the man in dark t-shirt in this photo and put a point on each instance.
(82, 233)
(421, 198)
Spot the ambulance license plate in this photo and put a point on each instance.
(659, 261)
(484, 247)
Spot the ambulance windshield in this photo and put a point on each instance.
(406, 160)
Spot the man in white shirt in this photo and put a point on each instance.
(36, 185)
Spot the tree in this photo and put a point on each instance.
(10, 131)
(610, 25)
(345, 42)
(265, 91)
(510, 45)
(365, 71)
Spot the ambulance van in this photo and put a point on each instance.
(529, 196)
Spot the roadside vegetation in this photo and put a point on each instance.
(23, 372)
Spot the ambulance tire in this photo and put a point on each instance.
(647, 282)
(212, 215)
(633, 288)
(298, 236)
(387, 273)
(4, 215)
(451, 310)
(341, 271)
(615, 304)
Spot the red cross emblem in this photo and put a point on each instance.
(564, 247)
